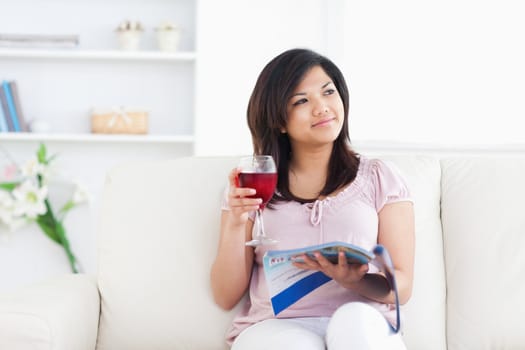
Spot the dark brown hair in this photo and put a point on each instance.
(267, 116)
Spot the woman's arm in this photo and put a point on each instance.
(231, 270)
(397, 235)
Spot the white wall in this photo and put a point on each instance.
(438, 72)
(447, 71)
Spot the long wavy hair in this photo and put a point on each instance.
(267, 116)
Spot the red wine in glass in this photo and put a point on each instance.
(260, 173)
(263, 183)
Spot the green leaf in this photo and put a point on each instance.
(50, 159)
(67, 207)
(41, 154)
(48, 222)
(65, 244)
(49, 228)
(9, 186)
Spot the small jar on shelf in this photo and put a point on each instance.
(168, 36)
(129, 34)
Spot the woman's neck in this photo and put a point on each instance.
(309, 171)
(311, 160)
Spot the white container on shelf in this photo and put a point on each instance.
(168, 40)
(168, 36)
(129, 39)
(40, 126)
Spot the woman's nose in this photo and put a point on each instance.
(320, 109)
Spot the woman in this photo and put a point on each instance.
(298, 113)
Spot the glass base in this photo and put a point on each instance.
(261, 241)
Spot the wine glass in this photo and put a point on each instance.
(260, 173)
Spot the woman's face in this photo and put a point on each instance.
(315, 110)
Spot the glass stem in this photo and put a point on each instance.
(260, 231)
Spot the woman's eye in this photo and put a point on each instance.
(300, 102)
(329, 92)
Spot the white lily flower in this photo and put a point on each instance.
(16, 223)
(32, 168)
(81, 194)
(6, 207)
(29, 200)
(24, 203)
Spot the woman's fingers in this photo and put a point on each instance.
(233, 177)
(240, 198)
(340, 271)
(304, 261)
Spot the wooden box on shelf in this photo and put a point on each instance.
(119, 121)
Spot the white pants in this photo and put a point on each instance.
(354, 326)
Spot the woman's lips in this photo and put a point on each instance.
(323, 122)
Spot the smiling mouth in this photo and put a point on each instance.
(323, 122)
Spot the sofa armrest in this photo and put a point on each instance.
(59, 314)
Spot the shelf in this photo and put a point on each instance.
(186, 139)
(117, 55)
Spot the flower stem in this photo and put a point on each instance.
(65, 244)
(54, 229)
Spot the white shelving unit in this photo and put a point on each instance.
(121, 138)
(99, 55)
(60, 86)
(161, 83)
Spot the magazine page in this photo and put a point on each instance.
(287, 283)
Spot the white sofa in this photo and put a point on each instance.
(158, 234)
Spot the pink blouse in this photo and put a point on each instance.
(351, 215)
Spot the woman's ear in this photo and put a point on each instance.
(283, 131)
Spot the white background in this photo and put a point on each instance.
(440, 73)
(446, 72)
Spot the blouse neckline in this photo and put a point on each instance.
(351, 188)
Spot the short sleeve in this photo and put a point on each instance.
(389, 184)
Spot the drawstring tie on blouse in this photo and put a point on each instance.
(317, 212)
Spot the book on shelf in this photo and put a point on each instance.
(12, 107)
(18, 106)
(38, 40)
(4, 127)
(11, 110)
(288, 283)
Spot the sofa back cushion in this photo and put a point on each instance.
(484, 234)
(158, 236)
(424, 321)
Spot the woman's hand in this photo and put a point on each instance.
(343, 273)
(238, 199)
(231, 271)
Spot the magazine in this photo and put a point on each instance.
(287, 283)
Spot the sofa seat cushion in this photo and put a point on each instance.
(58, 314)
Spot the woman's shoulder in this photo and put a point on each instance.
(378, 167)
(387, 182)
